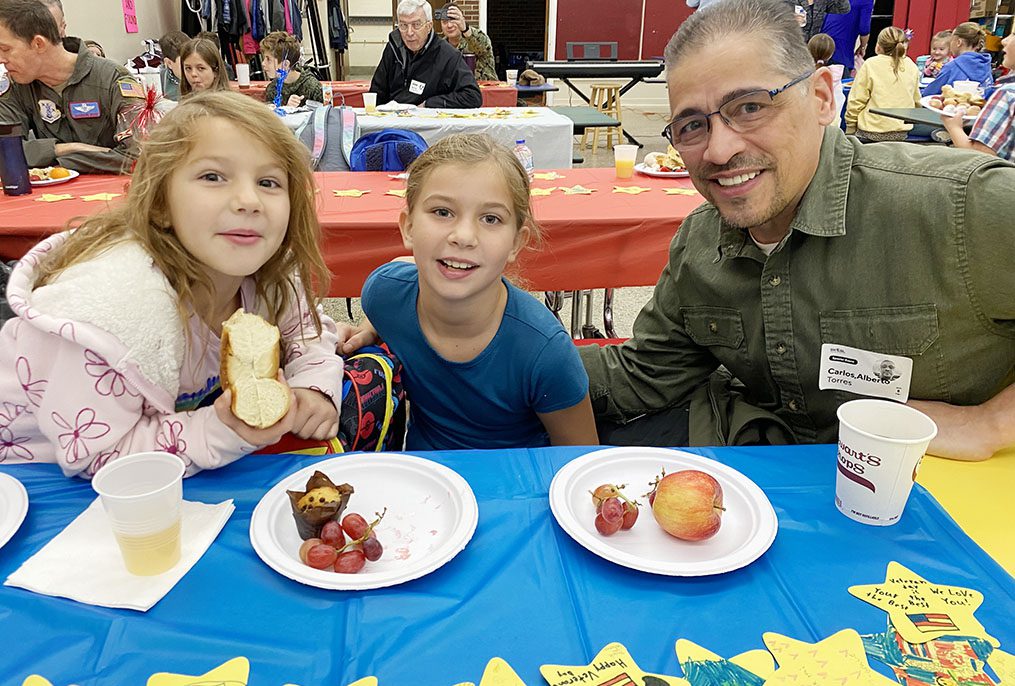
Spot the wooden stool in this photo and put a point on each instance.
(606, 99)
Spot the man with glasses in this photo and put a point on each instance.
(810, 239)
(418, 68)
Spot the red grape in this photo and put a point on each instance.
(613, 510)
(307, 545)
(350, 562)
(321, 556)
(607, 528)
(354, 525)
(372, 549)
(603, 492)
(331, 533)
(630, 516)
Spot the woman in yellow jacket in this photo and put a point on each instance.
(889, 79)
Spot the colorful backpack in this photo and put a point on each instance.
(330, 133)
(390, 150)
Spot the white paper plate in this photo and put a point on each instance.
(748, 526)
(432, 514)
(925, 100)
(13, 507)
(54, 182)
(641, 168)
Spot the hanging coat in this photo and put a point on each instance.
(338, 30)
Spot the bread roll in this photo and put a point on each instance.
(249, 366)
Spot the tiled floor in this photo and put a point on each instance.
(644, 123)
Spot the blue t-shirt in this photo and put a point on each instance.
(530, 366)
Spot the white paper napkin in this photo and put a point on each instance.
(83, 561)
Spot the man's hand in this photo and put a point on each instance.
(974, 432)
(455, 16)
(316, 416)
(352, 337)
(258, 437)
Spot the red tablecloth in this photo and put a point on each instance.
(590, 241)
(495, 93)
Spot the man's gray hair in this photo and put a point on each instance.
(731, 20)
(407, 7)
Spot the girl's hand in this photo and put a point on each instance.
(294, 100)
(316, 416)
(258, 437)
(353, 337)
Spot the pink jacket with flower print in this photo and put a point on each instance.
(90, 368)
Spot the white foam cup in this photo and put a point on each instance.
(243, 73)
(966, 86)
(881, 443)
(142, 495)
(512, 77)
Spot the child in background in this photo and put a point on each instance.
(279, 50)
(994, 130)
(939, 56)
(486, 364)
(170, 72)
(822, 47)
(203, 68)
(969, 64)
(95, 48)
(889, 79)
(115, 347)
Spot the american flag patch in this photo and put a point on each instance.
(932, 621)
(129, 88)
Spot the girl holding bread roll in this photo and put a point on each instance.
(486, 365)
(210, 267)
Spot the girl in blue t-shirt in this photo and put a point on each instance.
(486, 364)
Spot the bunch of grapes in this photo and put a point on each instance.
(614, 510)
(332, 551)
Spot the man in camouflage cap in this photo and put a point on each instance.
(469, 39)
(78, 106)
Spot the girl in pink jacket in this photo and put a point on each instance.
(115, 346)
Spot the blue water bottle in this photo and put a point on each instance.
(13, 165)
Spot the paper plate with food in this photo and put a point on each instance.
(51, 176)
(367, 521)
(663, 511)
(664, 164)
(951, 102)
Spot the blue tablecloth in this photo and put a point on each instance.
(521, 590)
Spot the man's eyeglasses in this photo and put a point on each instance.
(414, 25)
(743, 113)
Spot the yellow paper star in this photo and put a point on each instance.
(100, 196)
(365, 681)
(611, 666)
(630, 190)
(578, 190)
(350, 193)
(547, 176)
(756, 662)
(397, 192)
(838, 659)
(529, 113)
(680, 191)
(51, 197)
(921, 611)
(1003, 665)
(36, 680)
(497, 673)
(542, 191)
(234, 672)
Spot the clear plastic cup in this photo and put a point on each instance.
(624, 157)
(370, 102)
(142, 495)
(881, 443)
(243, 74)
(512, 77)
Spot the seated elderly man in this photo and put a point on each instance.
(789, 255)
(77, 105)
(418, 68)
(469, 40)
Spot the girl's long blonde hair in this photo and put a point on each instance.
(145, 216)
(892, 42)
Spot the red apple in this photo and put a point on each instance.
(688, 505)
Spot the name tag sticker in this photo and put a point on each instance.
(864, 372)
(416, 87)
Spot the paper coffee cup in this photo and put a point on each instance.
(512, 77)
(243, 74)
(142, 495)
(881, 443)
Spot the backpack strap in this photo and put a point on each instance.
(320, 124)
(389, 405)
